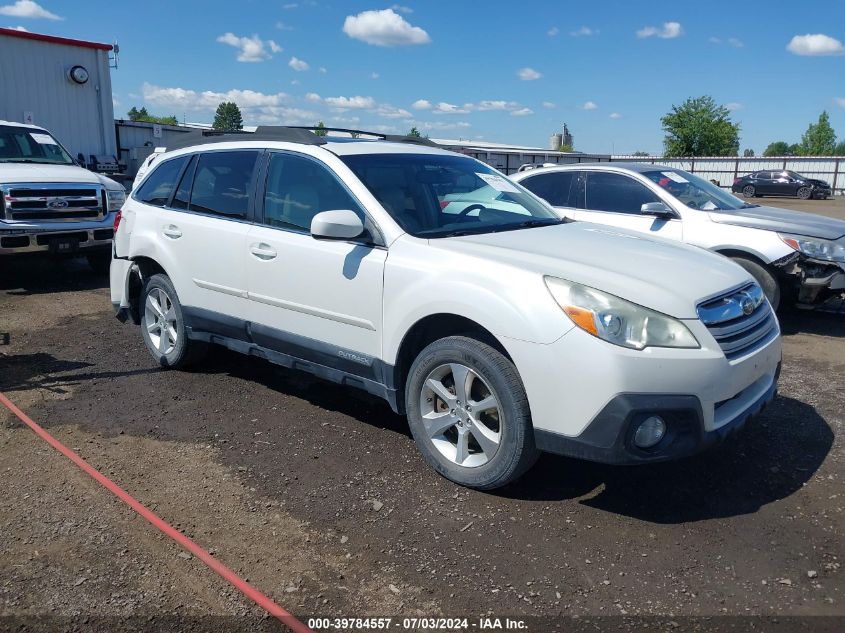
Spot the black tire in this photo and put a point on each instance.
(184, 352)
(804, 193)
(100, 262)
(768, 282)
(516, 451)
(749, 191)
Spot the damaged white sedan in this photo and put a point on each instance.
(795, 257)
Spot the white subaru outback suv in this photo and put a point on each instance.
(500, 330)
(795, 257)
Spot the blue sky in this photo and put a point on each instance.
(492, 70)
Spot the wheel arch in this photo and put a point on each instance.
(142, 268)
(425, 331)
(733, 251)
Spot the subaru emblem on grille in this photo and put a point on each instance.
(746, 303)
(57, 203)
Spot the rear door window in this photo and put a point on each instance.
(553, 187)
(222, 183)
(158, 186)
(616, 193)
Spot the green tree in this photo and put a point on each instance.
(142, 115)
(777, 148)
(839, 150)
(639, 153)
(700, 127)
(749, 153)
(414, 132)
(819, 139)
(228, 117)
(320, 129)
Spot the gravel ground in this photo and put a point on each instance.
(317, 495)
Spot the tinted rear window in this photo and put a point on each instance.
(223, 182)
(553, 187)
(158, 186)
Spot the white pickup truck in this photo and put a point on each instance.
(48, 203)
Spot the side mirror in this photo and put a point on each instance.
(658, 210)
(336, 225)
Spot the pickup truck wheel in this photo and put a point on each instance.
(469, 414)
(163, 325)
(99, 262)
(749, 191)
(764, 277)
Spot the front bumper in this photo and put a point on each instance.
(18, 238)
(609, 437)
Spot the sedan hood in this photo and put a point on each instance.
(30, 172)
(783, 221)
(666, 276)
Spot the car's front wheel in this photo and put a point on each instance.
(749, 191)
(163, 325)
(804, 193)
(768, 282)
(469, 413)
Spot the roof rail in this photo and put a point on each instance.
(290, 134)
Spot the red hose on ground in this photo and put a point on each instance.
(219, 568)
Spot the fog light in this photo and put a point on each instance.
(650, 432)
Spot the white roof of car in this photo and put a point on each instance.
(17, 124)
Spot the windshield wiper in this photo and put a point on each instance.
(19, 160)
(748, 205)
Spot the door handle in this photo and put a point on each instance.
(263, 251)
(172, 231)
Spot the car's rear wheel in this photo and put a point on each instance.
(749, 191)
(469, 414)
(804, 193)
(163, 325)
(768, 282)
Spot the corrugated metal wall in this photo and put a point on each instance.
(136, 141)
(725, 169)
(509, 161)
(34, 78)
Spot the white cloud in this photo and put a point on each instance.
(250, 49)
(815, 45)
(402, 9)
(584, 31)
(257, 107)
(736, 42)
(840, 101)
(615, 115)
(283, 27)
(384, 28)
(528, 74)
(389, 112)
(322, 70)
(290, 5)
(347, 103)
(313, 97)
(549, 105)
(668, 31)
(522, 112)
(734, 105)
(295, 82)
(589, 105)
(436, 125)
(28, 9)
(18, 28)
(298, 65)
(421, 104)
(714, 40)
(553, 31)
(496, 105)
(449, 108)
(374, 75)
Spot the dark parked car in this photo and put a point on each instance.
(780, 183)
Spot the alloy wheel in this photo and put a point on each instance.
(748, 191)
(161, 321)
(461, 415)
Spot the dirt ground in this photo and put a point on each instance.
(317, 495)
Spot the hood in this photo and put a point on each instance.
(782, 221)
(669, 277)
(818, 183)
(28, 172)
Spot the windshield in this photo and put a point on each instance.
(696, 192)
(432, 195)
(28, 145)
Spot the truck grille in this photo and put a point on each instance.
(52, 202)
(741, 321)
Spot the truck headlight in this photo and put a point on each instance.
(116, 198)
(815, 247)
(616, 320)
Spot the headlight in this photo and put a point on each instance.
(618, 321)
(116, 198)
(815, 247)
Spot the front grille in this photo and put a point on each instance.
(738, 332)
(53, 202)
